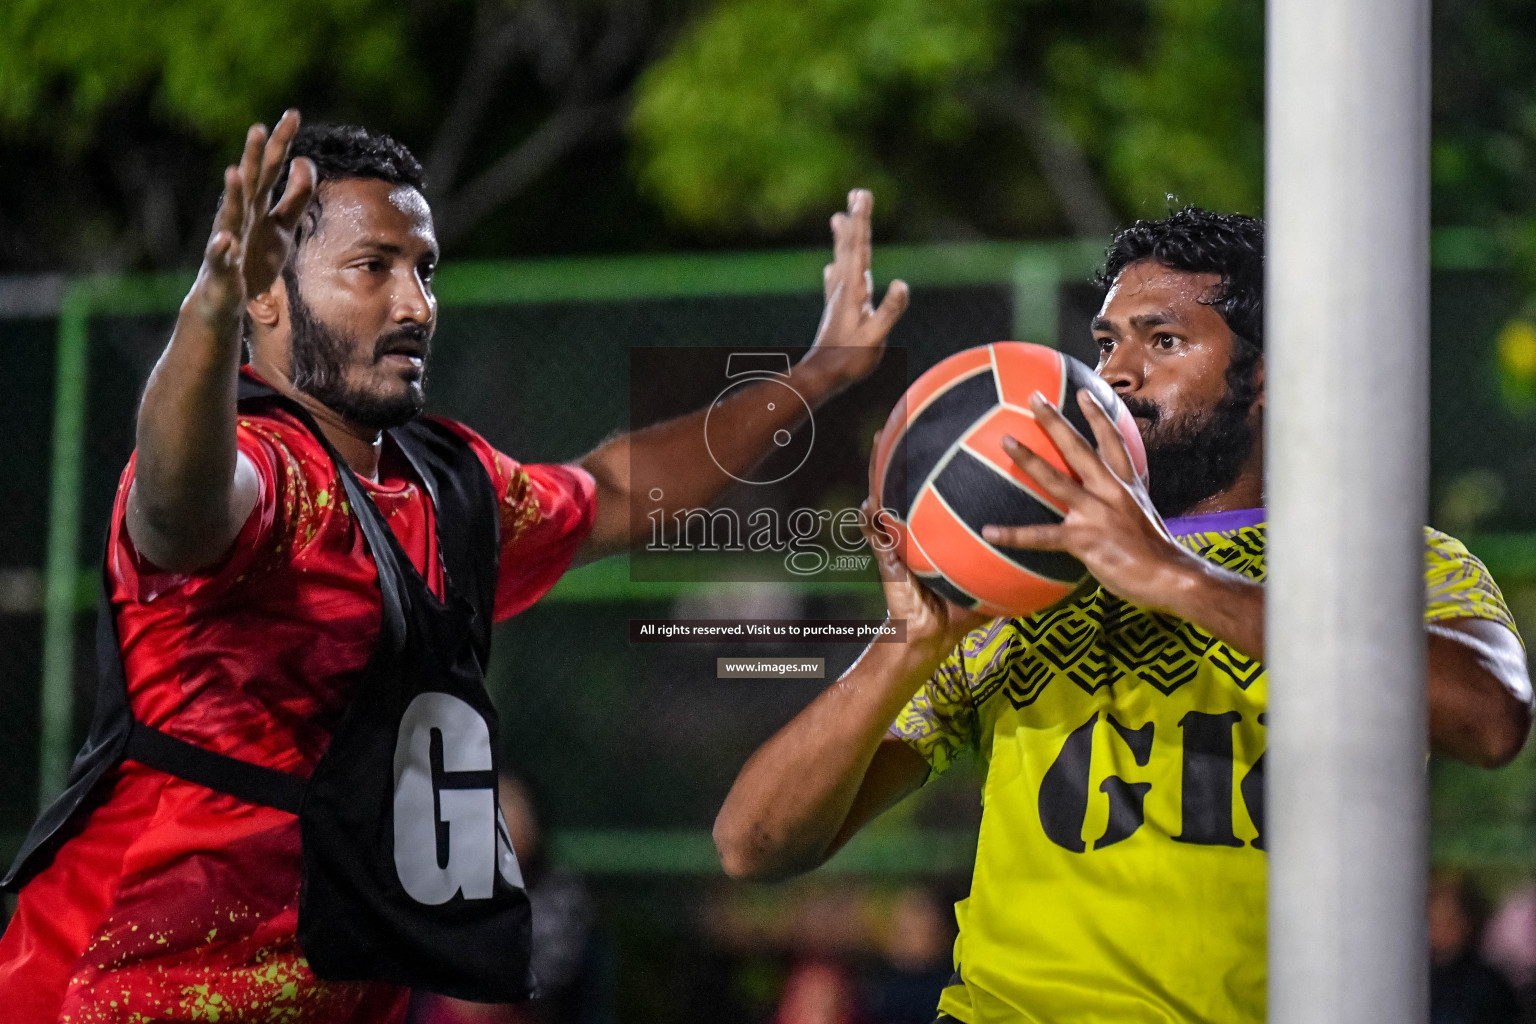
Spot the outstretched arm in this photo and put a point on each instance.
(1478, 688)
(823, 776)
(192, 491)
(674, 457)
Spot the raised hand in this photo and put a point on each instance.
(853, 330)
(1110, 525)
(192, 489)
(252, 236)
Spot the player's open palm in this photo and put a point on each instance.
(253, 235)
(852, 334)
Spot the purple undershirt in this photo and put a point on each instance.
(1215, 522)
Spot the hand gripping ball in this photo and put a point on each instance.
(941, 470)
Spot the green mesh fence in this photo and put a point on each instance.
(629, 757)
(629, 751)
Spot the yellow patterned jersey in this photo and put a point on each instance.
(1120, 868)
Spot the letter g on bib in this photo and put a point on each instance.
(427, 803)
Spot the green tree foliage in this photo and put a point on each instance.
(212, 67)
(117, 115)
(1483, 168)
(750, 120)
(768, 109)
(1180, 114)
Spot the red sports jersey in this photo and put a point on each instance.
(177, 903)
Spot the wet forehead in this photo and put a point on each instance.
(358, 211)
(1149, 290)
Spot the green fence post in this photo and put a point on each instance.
(1035, 280)
(62, 571)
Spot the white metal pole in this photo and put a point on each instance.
(1347, 442)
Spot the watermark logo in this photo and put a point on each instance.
(760, 380)
(799, 474)
(812, 541)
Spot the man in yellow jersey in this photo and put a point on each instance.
(1120, 869)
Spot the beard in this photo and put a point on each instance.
(319, 360)
(1196, 456)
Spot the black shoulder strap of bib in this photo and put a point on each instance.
(461, 494)
(243, 779)
(111, 723)
(250, 782)
(115, 735)
(459, 488)
(376, 533)
(441, 464)
(469, 526)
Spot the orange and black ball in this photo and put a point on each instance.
(942, 474)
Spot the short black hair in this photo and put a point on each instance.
(341, 151)
(351, 151)
(1201, 242)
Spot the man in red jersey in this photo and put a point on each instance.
(286, 537)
